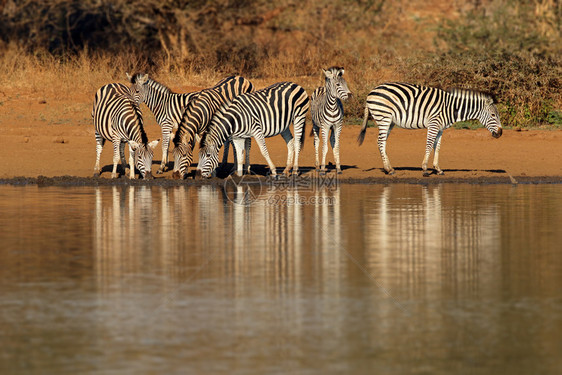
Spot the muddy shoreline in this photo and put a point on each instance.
(73, 181)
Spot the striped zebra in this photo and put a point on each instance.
(167, 107)
(261, 114)
(415, 107)
(197, 116)
(118, 118)
(327, 113)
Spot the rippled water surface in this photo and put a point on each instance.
(355, 279)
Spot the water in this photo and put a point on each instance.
(398, 279)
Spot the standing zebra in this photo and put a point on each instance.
(415, 107)
(327, 113)
(117, 118)
(261, 114)
(167, 107)
(197, 116)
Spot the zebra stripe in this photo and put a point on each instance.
(261, 114)
(416, 107)
(198, 115)
(166, 106)
(118, 118)
(327, 113)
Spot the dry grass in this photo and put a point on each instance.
(511, 51)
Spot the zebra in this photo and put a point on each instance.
(414, 107)
(118, 118)
(197, 116)
(167, 107)
(327, 113)
(261, 114)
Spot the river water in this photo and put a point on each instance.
(332, 279)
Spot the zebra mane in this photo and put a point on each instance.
(140, 122)
(472, 93)
(160, 87)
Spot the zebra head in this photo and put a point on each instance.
(139, 86)
(183, 155)
(208, 158)
(490, 118)
(335, 83)
(143, 153)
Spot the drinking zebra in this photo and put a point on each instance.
(415, 107)
(327, 113)
(167, 107)
(261, 114)
(197, 116)
(118, 118)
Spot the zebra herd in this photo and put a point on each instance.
(233, 112)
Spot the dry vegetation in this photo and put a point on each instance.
(507, 47)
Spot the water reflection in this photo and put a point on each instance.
(376, 278)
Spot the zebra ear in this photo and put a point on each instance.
(340, 73)
(327, 73)
(129, 77)
(142, 79)
(134, 145)
(490, 101)
(153, 144)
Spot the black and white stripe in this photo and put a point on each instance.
(118, 118)
(415, 107)
(261, 114)
(167, 107)
(197, 116)
(327, 114)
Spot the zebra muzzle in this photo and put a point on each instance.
(177, 175)
(148, 176)
(497, 134)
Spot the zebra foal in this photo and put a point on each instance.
(260, 114)
(416, 107)
(197, 116)
(327, 114)
(118, 118)
(166, 106)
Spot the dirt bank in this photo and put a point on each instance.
(52, 138)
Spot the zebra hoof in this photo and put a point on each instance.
(426, 174)
(160, 171)
(96, 174)
(339, 171)
(440, 173)
(391, 172)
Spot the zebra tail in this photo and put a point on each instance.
(303, 134)
(361, 136)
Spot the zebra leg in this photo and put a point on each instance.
(238, 146)
(335, 142)
(315, 130)
(288, 137)
(165, 145)
(99, 146)
(261, 144)
(384, 132)
(225, 155)
(432, 133)
(124, 164)
(299, 122)
(436, 147)
(131, 163)
(116, 146)
(247, 147)
(325, 131)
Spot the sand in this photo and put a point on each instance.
(55, 137)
